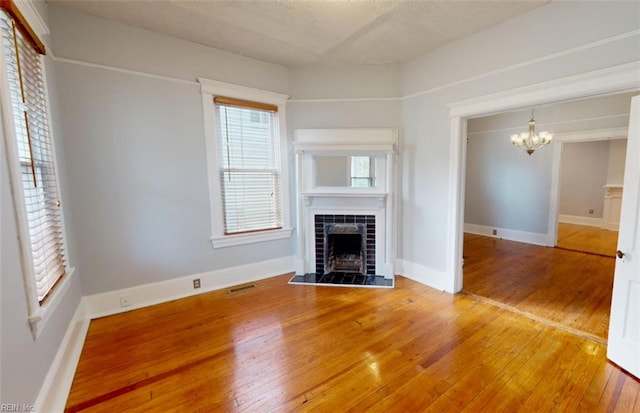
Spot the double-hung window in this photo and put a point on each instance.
(246, 150)
(31, 158)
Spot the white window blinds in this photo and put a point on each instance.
(249, 159)
(36, 158)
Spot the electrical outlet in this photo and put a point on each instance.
(591, 212)
(196, 283)
(125, 301)
(495, 232)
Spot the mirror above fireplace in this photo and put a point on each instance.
(354, 171)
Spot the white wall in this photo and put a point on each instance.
(506, 188)
(23, 361)
(135, 151)
(557, 40)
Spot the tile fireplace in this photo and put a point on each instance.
(346, 219)
(346, 243)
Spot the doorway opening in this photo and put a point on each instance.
(590, 186)
(513, 204)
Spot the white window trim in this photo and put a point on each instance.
(38, 315)
(31, 14)
(210, 89)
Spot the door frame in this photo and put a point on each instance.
(558, 149)
(614, 80)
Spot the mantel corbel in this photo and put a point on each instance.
(308, 200)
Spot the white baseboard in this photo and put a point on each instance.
(510, 234)
(577, 220)
(57, 383)
(433, 278)
(611, 226)
(103, 304)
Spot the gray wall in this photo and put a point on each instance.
(582, 179)
(344, 97)
(332, 171)
(135, 151)
(135, 182)
(552, 36)
(617, 161)
(23, 361)
(506, 188)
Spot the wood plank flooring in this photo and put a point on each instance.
(570, 288)
(587, 239)
(281, 347)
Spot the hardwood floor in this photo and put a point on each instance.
(587, 239)
(281, 347)
(570, 288)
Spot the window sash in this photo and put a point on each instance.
(36, 159)
(249, 166)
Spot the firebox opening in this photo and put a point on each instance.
(345, 253)
(345, 248)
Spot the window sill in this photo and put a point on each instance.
(249, 238)
(38, 320)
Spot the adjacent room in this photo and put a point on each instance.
(568, 198)
(319, 205)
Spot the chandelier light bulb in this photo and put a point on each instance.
(530, 141)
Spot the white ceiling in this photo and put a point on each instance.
(297, 32)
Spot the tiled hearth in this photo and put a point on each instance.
(344, 279)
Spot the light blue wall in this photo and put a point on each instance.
(134, 172)
(344, 97)
(554, 41)
(506, 188)
(583, 177)
(135, 151)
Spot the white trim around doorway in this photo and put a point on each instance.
(554, 205)
(618, 79)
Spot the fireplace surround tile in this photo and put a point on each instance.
(369, 220)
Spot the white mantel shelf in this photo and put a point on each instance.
(310, 196)
(345, 194)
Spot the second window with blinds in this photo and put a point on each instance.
(247, 165)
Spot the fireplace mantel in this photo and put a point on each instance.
(309, 197)
(378, 201)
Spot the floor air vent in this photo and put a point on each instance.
(241, 288)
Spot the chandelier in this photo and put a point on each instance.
(530, 141)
